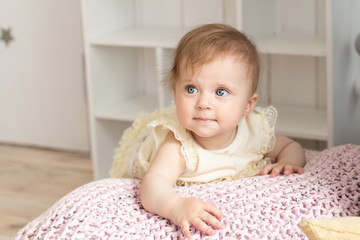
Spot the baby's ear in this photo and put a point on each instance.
(251, 104)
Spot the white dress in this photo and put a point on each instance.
(244, 157)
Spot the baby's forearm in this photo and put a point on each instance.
(292, 154)
(157, 195)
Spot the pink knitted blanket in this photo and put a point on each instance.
(253, 208)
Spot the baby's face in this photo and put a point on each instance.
(211, 101)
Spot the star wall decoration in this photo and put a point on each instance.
(6, 36)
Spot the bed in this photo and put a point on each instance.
(253, 208)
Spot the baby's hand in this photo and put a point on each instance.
(192, 211)
(277, 168)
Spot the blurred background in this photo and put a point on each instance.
(42, 81)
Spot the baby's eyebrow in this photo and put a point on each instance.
(187, 80)
(224, 84)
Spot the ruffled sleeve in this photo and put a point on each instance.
(260, 130)
(131, 158)
(268, 119)
(161, 128)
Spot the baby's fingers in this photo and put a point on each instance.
(288, 170)
(298, 170)
(202, 226)
(213, 221)
(212, 209)
(272, 169)
(185, 228)
(292, 169)
(266, 169)
(276, 171)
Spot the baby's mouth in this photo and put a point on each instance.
(204, 120)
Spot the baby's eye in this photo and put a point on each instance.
(191, 89)
(221, 92)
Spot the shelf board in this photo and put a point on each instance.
(295, 122)
(293, 45)
(305, 123)
(128, 110)
(166, 37)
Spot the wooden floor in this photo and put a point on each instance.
(31, 180)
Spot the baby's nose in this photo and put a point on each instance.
(204, 102)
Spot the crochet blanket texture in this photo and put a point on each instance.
(253, 208)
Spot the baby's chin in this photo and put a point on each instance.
(201, 135)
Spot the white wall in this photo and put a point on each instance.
(42, 98)
(346, 67)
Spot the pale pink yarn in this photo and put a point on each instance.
(253, 208)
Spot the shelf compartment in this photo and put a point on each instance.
(293, 45)
(305, 123)
(166, 37)
(128, 110)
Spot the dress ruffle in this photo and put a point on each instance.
(268, 117)
(124, 159)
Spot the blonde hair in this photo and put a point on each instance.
(207, 42)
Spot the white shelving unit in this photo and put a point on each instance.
(129, 43)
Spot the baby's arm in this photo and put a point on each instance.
(289, 155)
(158, 196)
